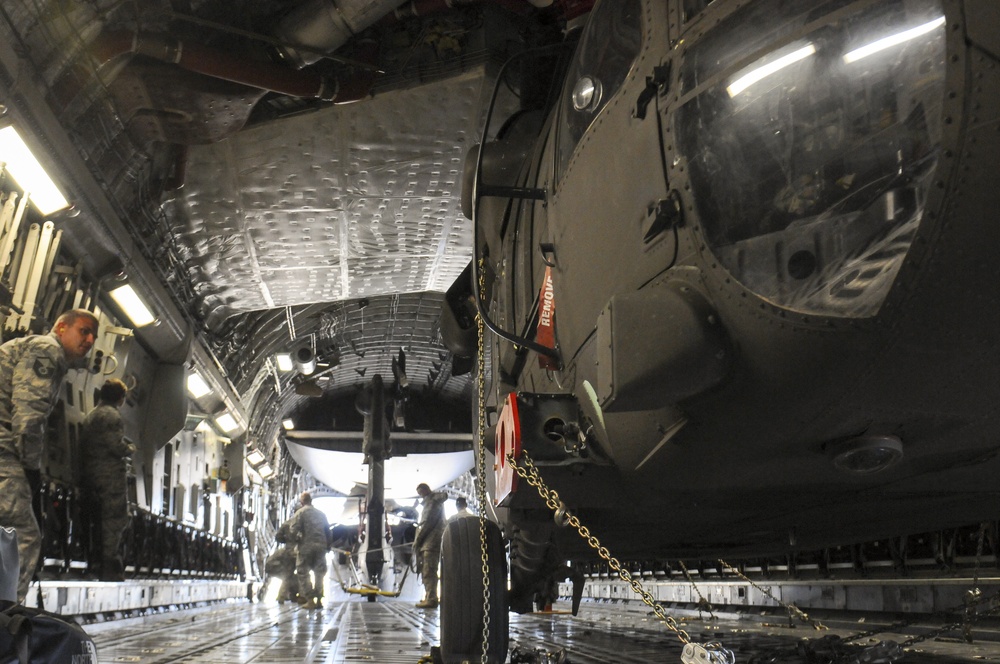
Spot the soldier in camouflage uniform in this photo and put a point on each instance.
(310, 530)
(106, 460)
(427, 545)
(281, 563)
(31, 372)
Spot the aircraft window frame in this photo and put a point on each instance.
(810, 188)
(618, 52)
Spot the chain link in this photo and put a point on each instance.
(882, 648)
(702, 602)
(791, 608)
(481, 462)
(529, 473)
(965, 624)
(973, 593)
(993, 602)
(979, 553)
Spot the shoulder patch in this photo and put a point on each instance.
(45, 367)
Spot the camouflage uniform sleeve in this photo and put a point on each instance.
(115, 431)
(321, 528)
(35, 380)
(104, 433)
(284, 534)
(431, 517)
(295, 528)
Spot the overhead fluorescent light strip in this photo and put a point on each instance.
(29, 174)
(892, 40)
(226, 422)
(284, 362)
(132, 305)
(762, 72)
(196, 385)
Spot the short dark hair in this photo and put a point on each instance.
(305, 498)
(69, 317)
(113, 391)
(461, 502)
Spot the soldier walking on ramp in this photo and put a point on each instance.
(107, 457)
(428, 542)
(281, 563)
(31, 372)
(310, 529)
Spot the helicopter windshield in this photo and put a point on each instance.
(810, 160)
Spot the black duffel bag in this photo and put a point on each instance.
(32, 635)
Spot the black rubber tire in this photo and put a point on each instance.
(462, 593)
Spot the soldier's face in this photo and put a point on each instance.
(77, 338)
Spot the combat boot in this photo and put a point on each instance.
(429, 603)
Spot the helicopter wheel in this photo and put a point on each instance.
(462, 593)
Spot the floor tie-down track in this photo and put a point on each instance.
(620, 631)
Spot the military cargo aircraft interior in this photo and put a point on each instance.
(528, 331)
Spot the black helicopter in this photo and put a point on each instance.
(740, 284)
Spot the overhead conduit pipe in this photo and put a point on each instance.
(323, 26)
(567, 9)
(318, 24)
(215, 63)
(326, 25)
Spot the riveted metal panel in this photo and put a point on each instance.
(353, 201)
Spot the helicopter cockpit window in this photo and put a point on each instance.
(603, 58)
(810, 164)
